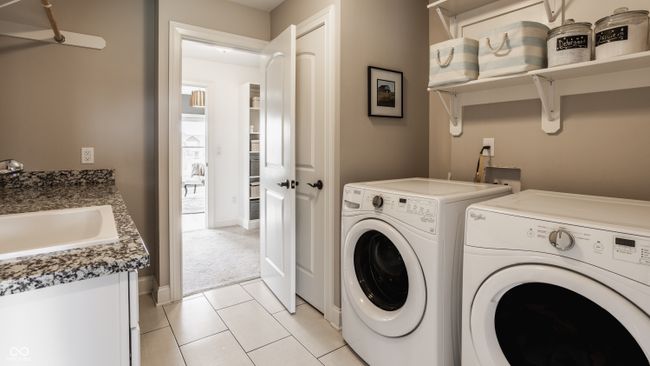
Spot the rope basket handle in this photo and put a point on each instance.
(447, 61)
(503, 43)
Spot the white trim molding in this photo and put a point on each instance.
(327, 18)
(161, 294)
(177, 33)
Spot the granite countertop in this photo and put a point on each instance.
(38, 191)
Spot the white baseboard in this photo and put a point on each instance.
(145, 285)
(249, 224)
(161, 294)
(334, 316)
(224, 223)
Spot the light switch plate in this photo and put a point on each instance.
(488, 141)
(87, 155)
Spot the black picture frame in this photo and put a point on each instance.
(380, 80)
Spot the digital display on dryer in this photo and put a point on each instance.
(402, 200)
(625, 242)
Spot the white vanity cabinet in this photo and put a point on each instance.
(81, 323)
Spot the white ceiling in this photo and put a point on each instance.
(266, 5)
(224, 55)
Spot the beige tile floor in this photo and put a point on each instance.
(241, 324)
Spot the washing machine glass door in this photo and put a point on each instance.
(383, 278)
(541, 315)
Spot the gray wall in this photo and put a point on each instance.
(439, 141)
(603, 148)
(372, 147)
(107, 98)
(393, 35)
(295, 11)
(56, 99)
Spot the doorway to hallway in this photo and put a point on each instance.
(220, 239)
(305, 170)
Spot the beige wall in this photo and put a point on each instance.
(219, 15)
(295, 11)
(602, 148)
(393, 35)
(439, 141)
(56, 99)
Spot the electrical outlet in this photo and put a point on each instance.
(488, 141)
(87, 155)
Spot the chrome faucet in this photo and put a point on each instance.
(10, 166)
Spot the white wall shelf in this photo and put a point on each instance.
(548, 85)
(455, 7)
(451, 8)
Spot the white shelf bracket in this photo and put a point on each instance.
(445, 22)
(551, 104)
(455, 111)
(552, 14)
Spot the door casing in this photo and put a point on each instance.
(328, 17)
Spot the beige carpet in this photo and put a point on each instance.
(215, 258)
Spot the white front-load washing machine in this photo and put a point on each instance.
(401, 268)
(556, 279)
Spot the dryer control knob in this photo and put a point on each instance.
(561, 240)
(377, 201)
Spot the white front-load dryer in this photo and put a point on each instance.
(556, 279)
(401, 259)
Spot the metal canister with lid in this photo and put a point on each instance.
(569, 43)
(622, 33)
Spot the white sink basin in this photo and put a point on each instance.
(55, 230)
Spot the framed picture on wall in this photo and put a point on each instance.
(385, 94)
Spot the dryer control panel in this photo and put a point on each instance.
(624, 254)
(415, 211)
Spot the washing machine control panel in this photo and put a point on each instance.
(624, 254)
(414, 211)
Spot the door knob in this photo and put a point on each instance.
(284, 184)
(318, 185)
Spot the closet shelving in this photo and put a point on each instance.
(250, 116)
(548, 85)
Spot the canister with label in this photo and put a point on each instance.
(569, 43)
(623, 33)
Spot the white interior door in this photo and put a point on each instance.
(310, 167)
(277, 168)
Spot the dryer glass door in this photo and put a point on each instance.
(381, 271)
(540, 323)
(383, 279)
(556, 318)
